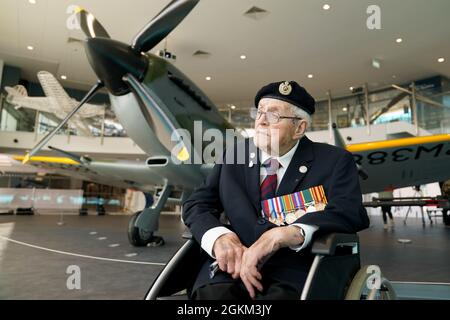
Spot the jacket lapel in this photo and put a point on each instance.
(301, 160)
(252, 176)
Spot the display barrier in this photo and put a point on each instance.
(48, 199)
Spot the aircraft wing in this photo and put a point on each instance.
(90, 110)
(125, 174)
(119, 174)
(403, 162)
(52, 88)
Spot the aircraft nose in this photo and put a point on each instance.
(111, 60)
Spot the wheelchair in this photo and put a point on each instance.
(335, 273)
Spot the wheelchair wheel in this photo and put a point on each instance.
(363, 286)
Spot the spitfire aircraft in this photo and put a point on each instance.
(152, 99)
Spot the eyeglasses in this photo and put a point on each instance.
(272, 117)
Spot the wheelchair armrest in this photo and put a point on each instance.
(187, 235)
(327, 244)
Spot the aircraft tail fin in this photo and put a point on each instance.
(17, 90)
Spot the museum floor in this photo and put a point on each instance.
(36, 253)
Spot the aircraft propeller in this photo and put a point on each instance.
(114, 61)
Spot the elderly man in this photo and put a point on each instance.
(288, 191)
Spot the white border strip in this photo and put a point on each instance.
(81, 255)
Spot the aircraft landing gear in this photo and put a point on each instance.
(139, 237)
(144, 223)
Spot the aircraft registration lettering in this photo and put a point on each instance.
(397, 157)
(402, 154)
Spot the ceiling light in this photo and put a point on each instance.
(233, 107)
(63, 77)
(32, 1)
(376, 64)
(441, 60)
(208, 78)
(310, 76)
(399, 40)
(351, 88)
(30, 48)
(243, 57)
(326, 7)
(344, 109)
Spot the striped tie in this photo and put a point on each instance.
(269, 185)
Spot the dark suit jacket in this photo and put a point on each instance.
(234, 189)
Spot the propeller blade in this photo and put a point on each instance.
(362, 173)
(91, 27)
(339, 142)
(169, 129)
(162, 24)
(44, 140)
(338, 139)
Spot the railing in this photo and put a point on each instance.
(61, 199)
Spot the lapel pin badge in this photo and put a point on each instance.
(252, 155)
(250, 164)
(303, 169)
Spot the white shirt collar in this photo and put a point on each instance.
(284, 160)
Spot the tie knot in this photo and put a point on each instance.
(271, 165)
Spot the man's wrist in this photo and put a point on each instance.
(289, 236)
(216, 242)
(296, 236)
(210, 237)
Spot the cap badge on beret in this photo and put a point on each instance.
(285, 88)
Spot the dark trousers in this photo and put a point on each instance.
(386, 211)
(237, 291)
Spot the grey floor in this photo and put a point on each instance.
(425, 259)
(35, 273)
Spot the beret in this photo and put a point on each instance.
(288, 91)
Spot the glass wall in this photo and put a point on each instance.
(14, 117)
(390, 104)
(431, 101)
(433, 106)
